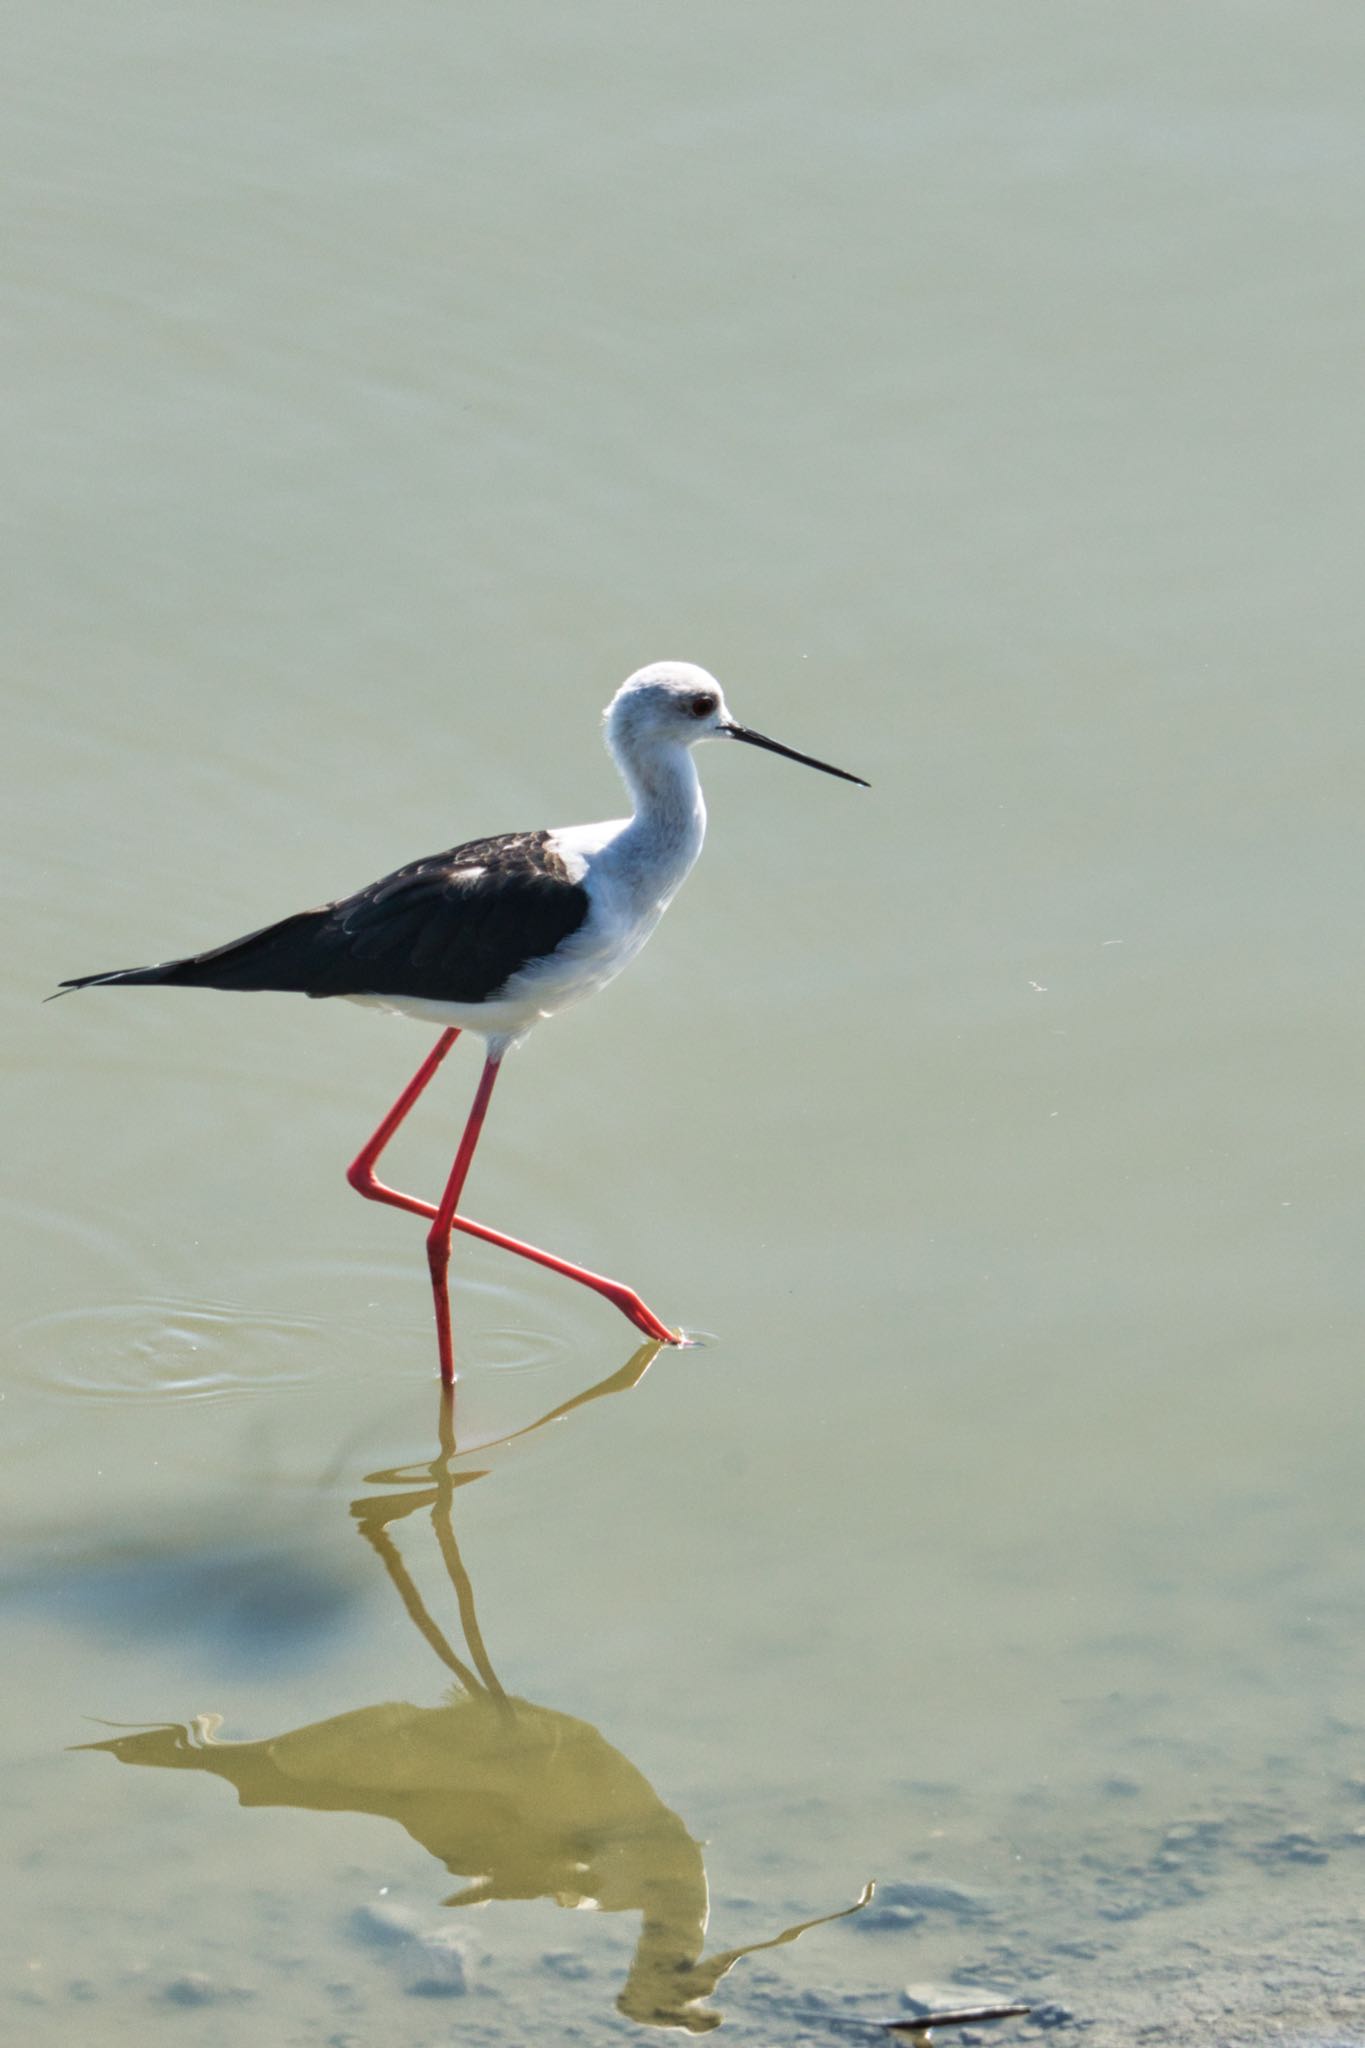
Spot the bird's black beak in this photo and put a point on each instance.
(758, 739)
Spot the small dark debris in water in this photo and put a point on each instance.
(889, 1919)
(1294, 1846)
(194, 1988)
(918, 2027)
(1120, 1788)
(965, 2016)
(1053, 2015)
(1123, 1908)
(385, 1924)
(446, 1981)
(999, 1965)
(566, 1963)
(952, 1899)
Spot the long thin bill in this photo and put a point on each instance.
(758, 739)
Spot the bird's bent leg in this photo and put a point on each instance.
(438, 1237)
(624, 1298)
(360, 1172)
(620, 1296)
(361, 1175)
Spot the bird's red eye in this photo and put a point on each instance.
(702, 707)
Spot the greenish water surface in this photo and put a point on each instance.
(976, 392)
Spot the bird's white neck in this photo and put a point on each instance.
(664, 836)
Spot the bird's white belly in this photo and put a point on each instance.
(584, 963)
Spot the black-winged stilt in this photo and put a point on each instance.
(496, 935)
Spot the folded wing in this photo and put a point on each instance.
(452, 928)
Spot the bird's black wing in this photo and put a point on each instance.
(454, 928)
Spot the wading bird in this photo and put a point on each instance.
(493, 936)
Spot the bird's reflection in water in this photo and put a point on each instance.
(520, 1800)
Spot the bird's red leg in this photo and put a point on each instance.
(624, 1298)
(360, 1172)
(361, 1175)
(438, 1237)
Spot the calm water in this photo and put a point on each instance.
(977, 392)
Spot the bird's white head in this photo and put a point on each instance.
(670, 706)
(669, 703)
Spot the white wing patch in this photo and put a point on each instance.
(576, 845)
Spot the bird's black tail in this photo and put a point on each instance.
(275, 957)
(165, 972)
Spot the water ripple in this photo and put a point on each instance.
(155, 1349)
(518, 1350)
